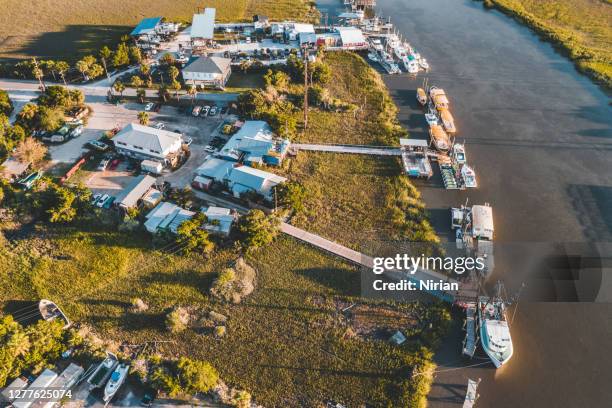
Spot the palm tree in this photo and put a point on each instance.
(119, 87)
(105, 53)
(163, 93)
(140, 94)
(193, 92)
(62, 67)
(173, 72)
(176, 85)
(19, 343)
(143, 118)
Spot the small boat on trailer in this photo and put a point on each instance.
(116, 381)
(421, 96)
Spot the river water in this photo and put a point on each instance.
(539, 135)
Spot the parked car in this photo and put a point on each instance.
(103, 164)
(209, 149)
(160, 125)
(114, 164)
(187, 140)
(102, 200)
(77, 131)
(205, 110)
(95, 198)
(213, 111)
(149, 106)
(98, 145)
(196, 110)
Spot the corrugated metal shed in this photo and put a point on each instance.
(146, 26)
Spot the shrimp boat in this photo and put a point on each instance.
(459, 153)
(412, 66)
(439, 138)
(421, 96)
(116, 381)
(494, 330)
(438, 97)
(448, 121)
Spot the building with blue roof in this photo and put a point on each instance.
(146, 27)
(255, 143)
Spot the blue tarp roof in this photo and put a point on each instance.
(146, 25)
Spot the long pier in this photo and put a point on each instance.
(466, 293)
(354, 149)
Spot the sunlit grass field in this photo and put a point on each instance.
(583, 28)
(67, 29)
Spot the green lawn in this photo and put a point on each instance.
(287, 343)
(581, 27)
(67, 29)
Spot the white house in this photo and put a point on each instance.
(144, 142)
(208, 71)
(166, 217)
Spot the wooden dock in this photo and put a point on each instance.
(472, 393)
(471, 336)
(467, 291)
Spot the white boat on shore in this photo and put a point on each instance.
(494, 330)
(116, 381)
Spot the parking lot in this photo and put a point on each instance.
(109, 181)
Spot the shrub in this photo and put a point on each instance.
(176, 320)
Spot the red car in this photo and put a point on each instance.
(114, 164)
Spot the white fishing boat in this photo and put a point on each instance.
(116, 381)
(494, 330)
(469, 176)
(413, 67)
(102, 371)
(376, 44)
(373, 57)
(459, 153)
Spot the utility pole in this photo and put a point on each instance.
(305, 87)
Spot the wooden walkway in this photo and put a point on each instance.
(353, 149)
(471, 336)
(466, 291)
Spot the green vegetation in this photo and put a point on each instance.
(581, 28)
(49, 32)
(257, 229)
(28, 348)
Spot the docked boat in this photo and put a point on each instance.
(102, 371)
(421, 96)
(376, 44)
(459, 153)
(373, 57)
(413, 66)
(432, 119)
(494, 330)
(469, 176)
(424, 64)
(116, 381)
(448, 121)
(438, 97)
(439, 138)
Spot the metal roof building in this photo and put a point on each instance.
(244, 179)
(166, 216)
(145, 142)
(129, 197)
(146, 26)
(203, 25)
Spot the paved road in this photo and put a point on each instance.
(94, 92)
(353, 149)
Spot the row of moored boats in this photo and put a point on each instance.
(396, 55)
